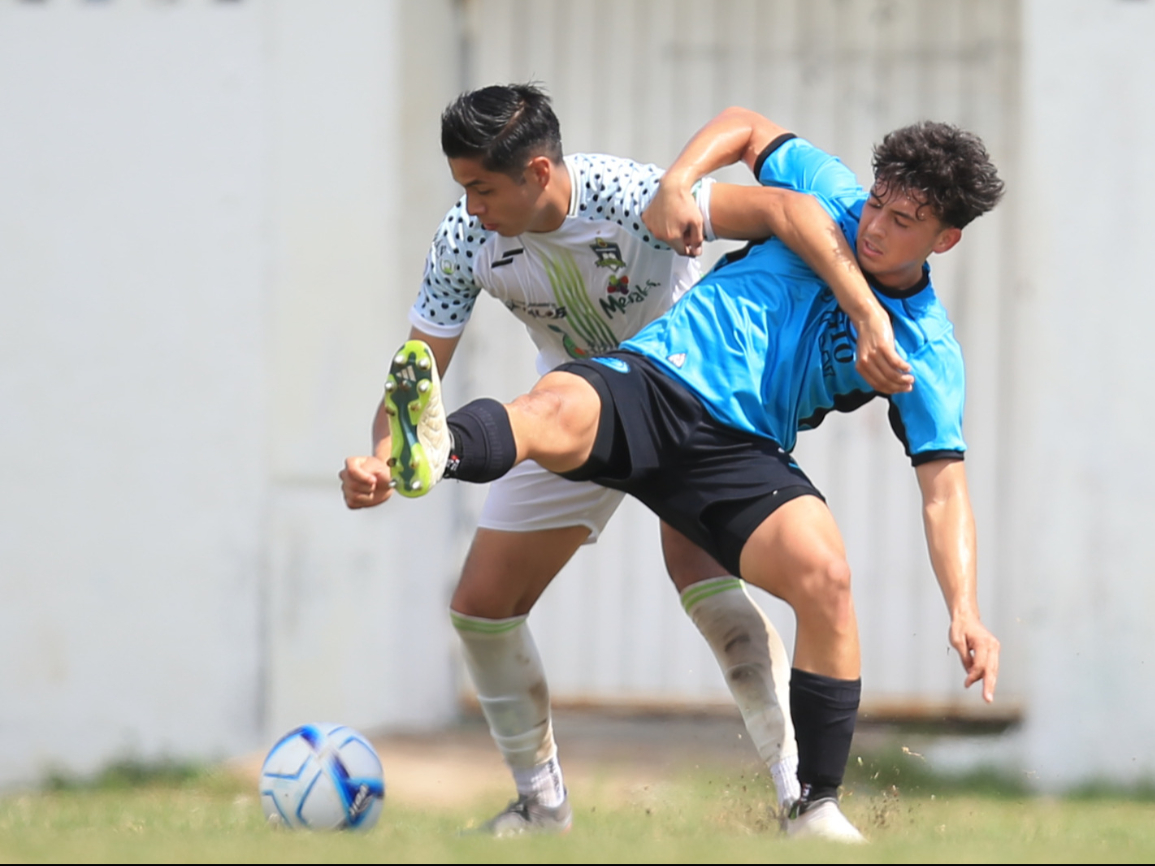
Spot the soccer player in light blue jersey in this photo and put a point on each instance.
(696, 414)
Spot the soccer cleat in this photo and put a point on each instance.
(421, 439)
(525, 816)
(823, 820)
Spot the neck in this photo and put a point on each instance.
(554, 201)
(899, 280)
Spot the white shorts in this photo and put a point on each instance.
(529, 498)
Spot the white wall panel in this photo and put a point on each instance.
(132, 473)
(638, 78)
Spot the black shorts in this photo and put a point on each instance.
(657, 442)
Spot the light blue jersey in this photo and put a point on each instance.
(763, 343)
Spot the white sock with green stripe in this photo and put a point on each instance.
(511, 688)
(757, 670)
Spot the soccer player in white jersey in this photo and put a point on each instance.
(561, 243)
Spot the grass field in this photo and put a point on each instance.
(623, 812)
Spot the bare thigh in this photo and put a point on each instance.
(797, 554)
(506, 572)
(687, 563)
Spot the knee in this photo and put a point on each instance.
(825, 593)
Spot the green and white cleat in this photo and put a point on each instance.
(421, 439)
(823, 820)
(526, 816)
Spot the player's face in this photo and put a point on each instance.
(501, 203)
(896, 235)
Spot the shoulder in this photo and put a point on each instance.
(795, 163)
(614, 189)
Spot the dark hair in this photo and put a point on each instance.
(504, 126)
(942, 166)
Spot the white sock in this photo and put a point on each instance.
(543, 782)
(757, 670)
(507, 672)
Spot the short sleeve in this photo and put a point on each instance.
(448, 289)
(794, 163)
(928, 420)
(616, 190)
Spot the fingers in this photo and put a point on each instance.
(881, 376)
(979, 652)
(365, 482)
(694, 236)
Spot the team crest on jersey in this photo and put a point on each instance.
(609, 255)
(677, 359)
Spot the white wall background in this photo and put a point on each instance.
(1081, 481)
(213, 218)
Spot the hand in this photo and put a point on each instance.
(878, 361)
(675, 218)
(979, 651)
(365, 481)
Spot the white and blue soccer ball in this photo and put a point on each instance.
(322, 777)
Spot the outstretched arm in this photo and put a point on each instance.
(950, 537)
(365, 481)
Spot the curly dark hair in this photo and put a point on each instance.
(942, 166)
(503, 126)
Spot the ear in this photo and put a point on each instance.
(947, 238)
(541, 170)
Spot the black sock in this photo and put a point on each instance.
(483, 445)
(824, 711)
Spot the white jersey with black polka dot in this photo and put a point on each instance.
(581, 289)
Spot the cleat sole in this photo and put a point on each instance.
(408, 391)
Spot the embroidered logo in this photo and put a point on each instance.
(677, 359)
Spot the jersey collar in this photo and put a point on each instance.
(900, 294)
(574, 186)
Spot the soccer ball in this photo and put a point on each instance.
(322, 777)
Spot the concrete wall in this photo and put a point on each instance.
(1079, 476)
(201, 213)
(133, 255)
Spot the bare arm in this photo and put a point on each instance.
(735, 134)
(752, 212)
(950, 538)
(365, 481)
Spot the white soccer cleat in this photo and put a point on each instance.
(421, 439)
(526, 816)
(823, 820)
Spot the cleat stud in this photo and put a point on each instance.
(414, 463)
(423, 385)
(415, 484)
(390, 386)
(423, 364)
(393, 484)
(399, 359)
(389, 410)
(391, 462)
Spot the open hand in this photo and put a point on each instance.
(365, 481)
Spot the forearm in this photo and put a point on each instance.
(950, 535)
(812, 234)
(799, 221)
(737, 134)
